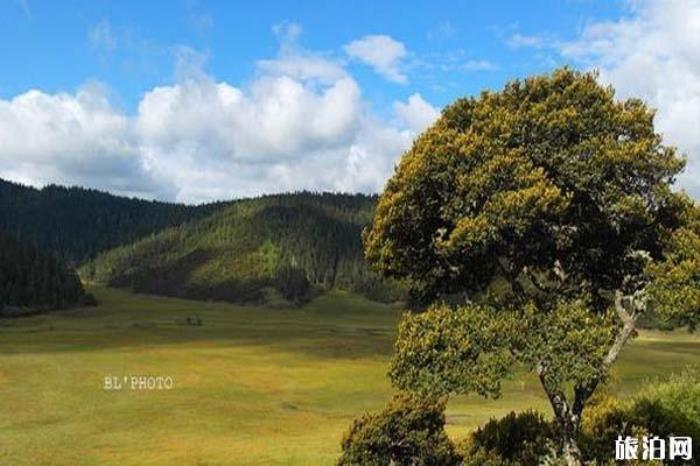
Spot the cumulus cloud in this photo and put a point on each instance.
(416, 113)
(71, 139)
(301, 123)
(653, 53)
(208, 127)
(382, 53)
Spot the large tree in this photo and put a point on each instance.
(548, 208)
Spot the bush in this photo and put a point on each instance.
(521, 439)
(665, 409)
(602, 422)
(409, 431)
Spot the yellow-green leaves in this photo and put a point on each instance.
(556, 189)
(550, 168)
(444, 350)
(410, 430)
(566, 344)
(675, 287)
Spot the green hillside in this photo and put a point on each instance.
(282, 246)
(31, 280)
(77, 223)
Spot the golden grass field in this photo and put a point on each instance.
(252, 385)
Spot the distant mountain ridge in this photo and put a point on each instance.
(287, 245)
(77, 223)
(284, 246)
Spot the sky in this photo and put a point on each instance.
(194, 101)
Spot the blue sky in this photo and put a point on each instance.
(54, 45)
(196, 100)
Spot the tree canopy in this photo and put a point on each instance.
(549, 207)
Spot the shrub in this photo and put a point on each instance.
(521, 439)
(670, 408)
(409, 431)
(602, 422)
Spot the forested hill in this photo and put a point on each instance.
(252, 250)
(31, 280)
(76, 223)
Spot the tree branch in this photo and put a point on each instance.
(629, 324)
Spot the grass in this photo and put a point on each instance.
(252, 386)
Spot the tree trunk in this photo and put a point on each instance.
(572, 454)
(569, 416)
(568, 421)
(570, 449)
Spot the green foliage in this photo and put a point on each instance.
(291, 242)
(522, 439)
(444, 351)
(471, 348)
(665, 409)
(606, 419)
(76, 223)
(675, 290)
(292, 283)
(32, 281)
(550, 178)
(408, 432)
(568, 342)
(562, 193)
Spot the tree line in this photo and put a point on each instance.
(77, 223)
(31, 280)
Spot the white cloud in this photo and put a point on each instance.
(294, 61)
(189, 63)
(654, 53)
(301, 123)
(416, 113)
(382, 53)
(71, 139)
(204, 126)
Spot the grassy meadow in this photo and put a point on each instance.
(252, 386)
